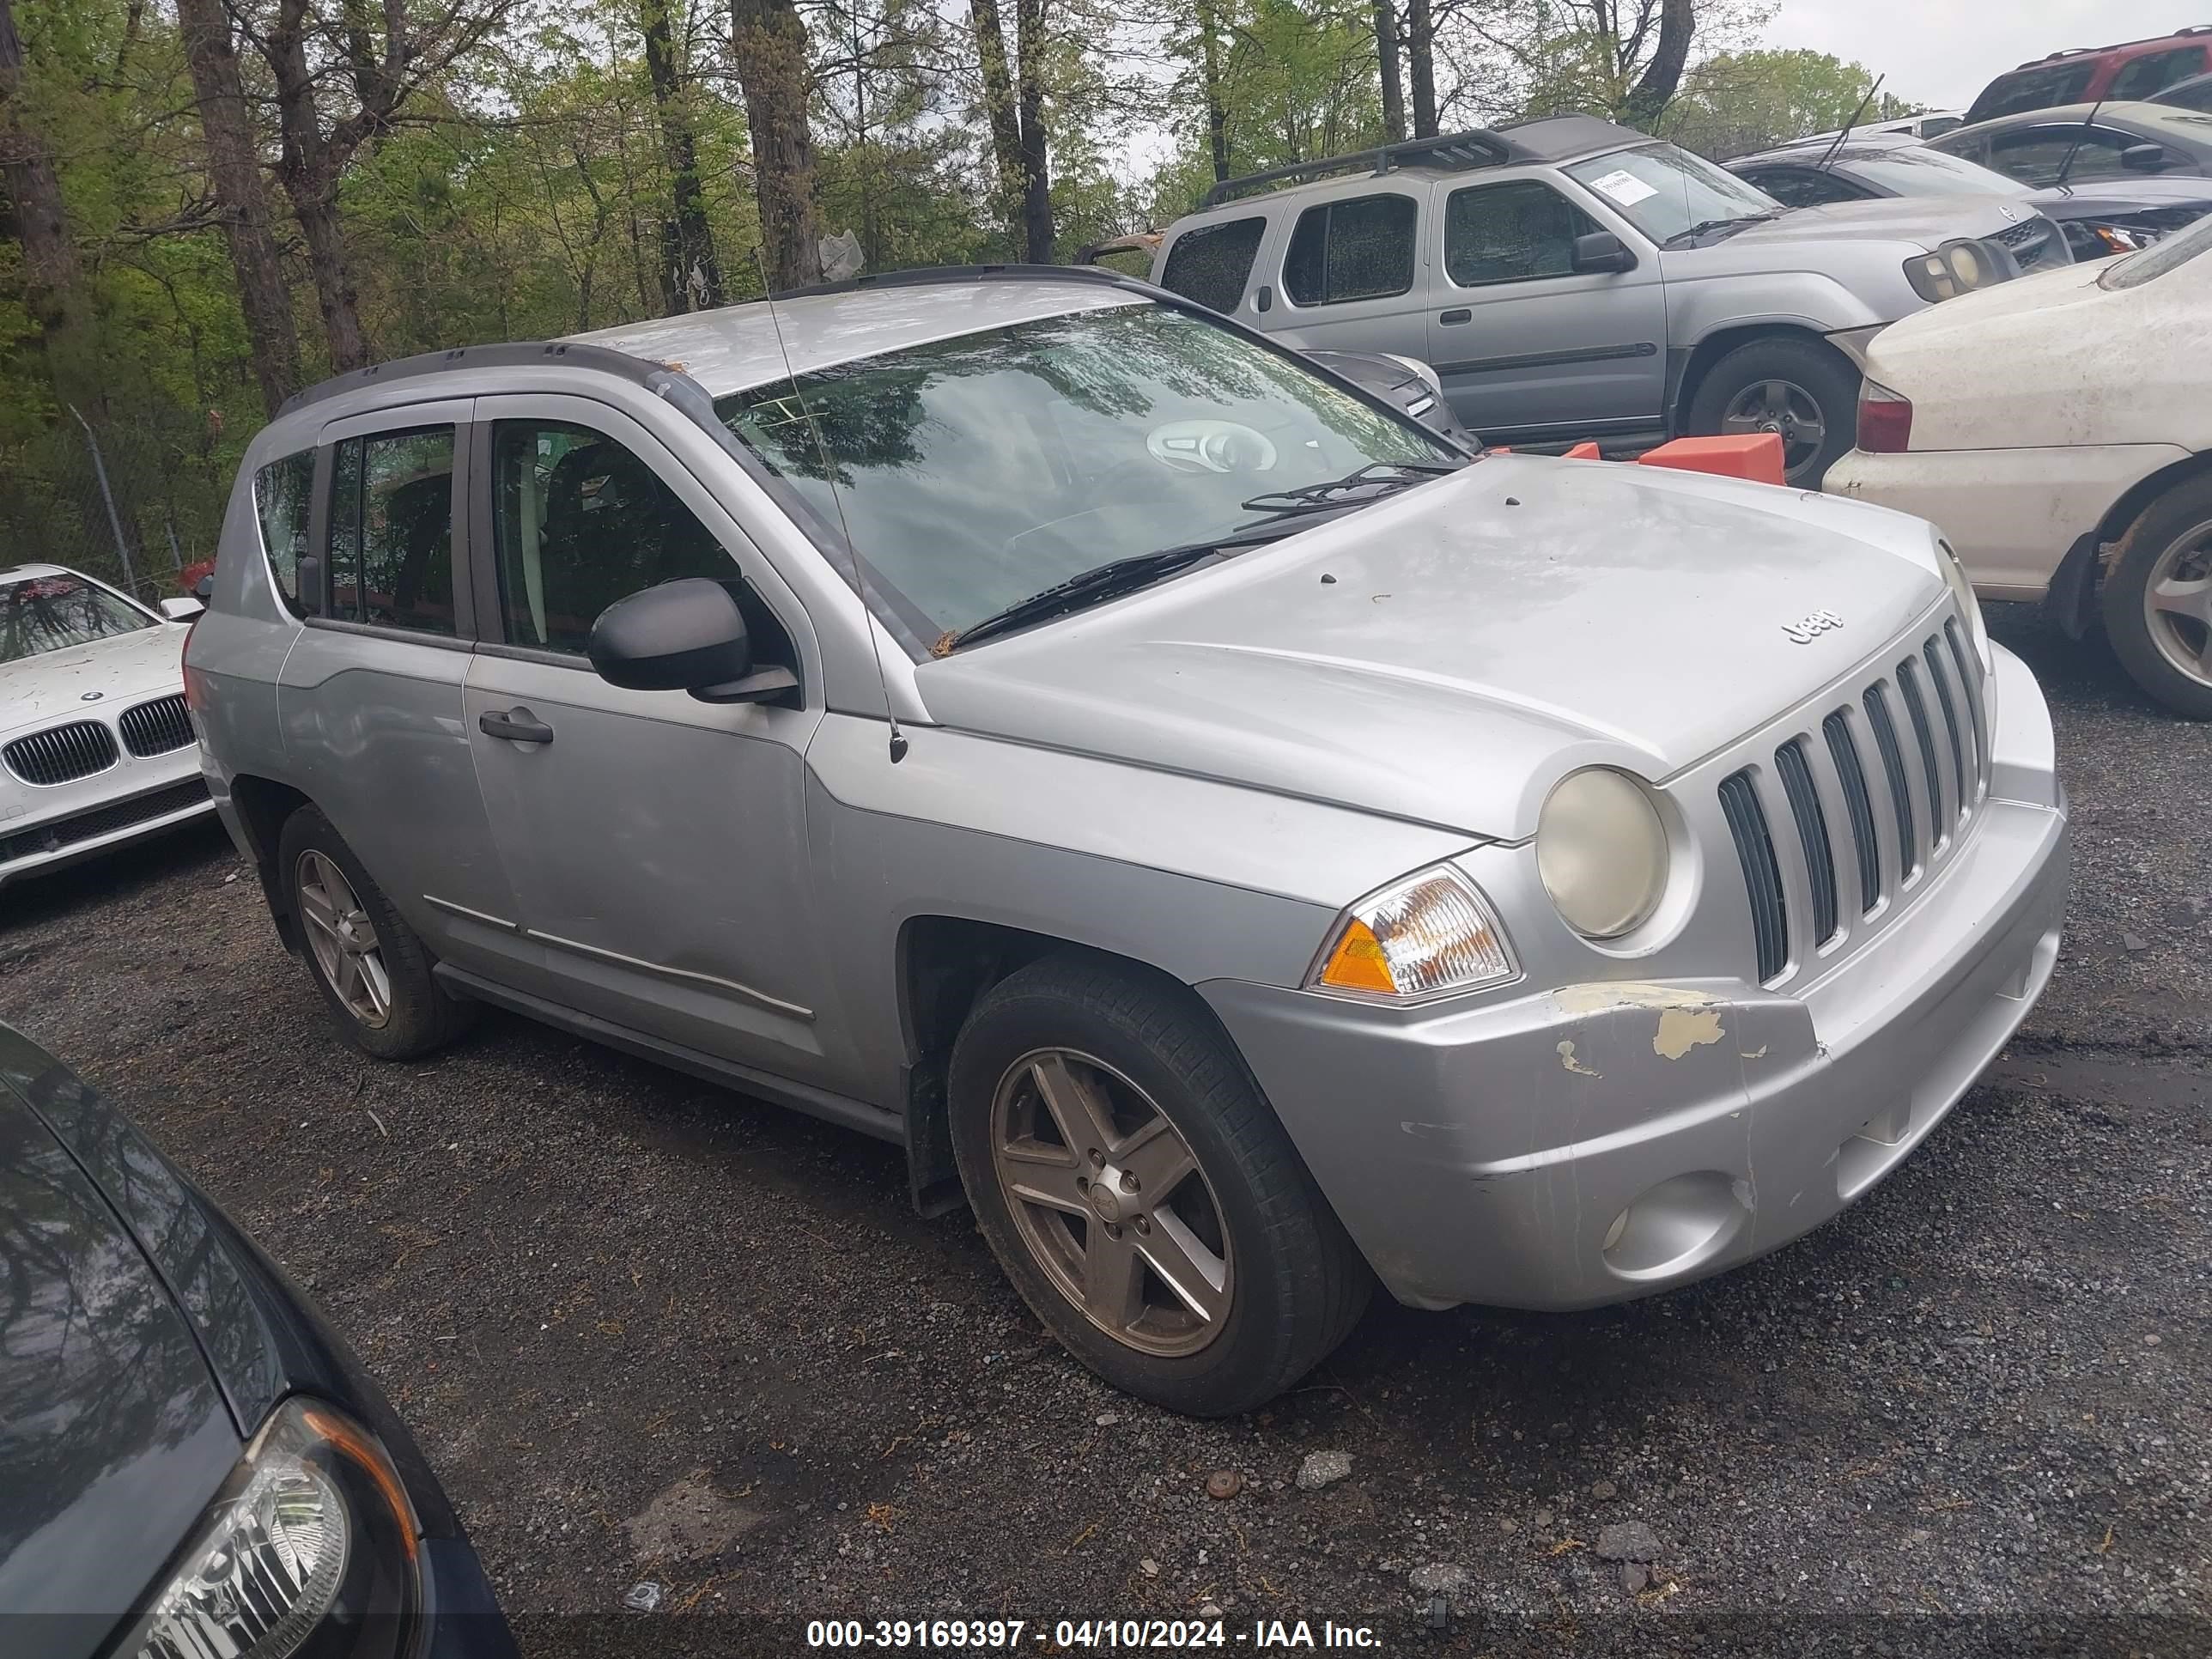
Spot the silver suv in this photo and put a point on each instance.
(1244, 845)
(1571, 278)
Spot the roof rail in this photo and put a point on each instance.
(1476, 148)
(514, 353)
(924, 276)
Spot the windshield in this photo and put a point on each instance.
(1665, 190)
(52, 613)
(972, 472)
(2161, 257)
(1915, 170)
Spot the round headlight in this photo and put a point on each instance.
(1601, 852)
(1966, 264)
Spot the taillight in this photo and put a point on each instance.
(195, 682)
(1885, 420)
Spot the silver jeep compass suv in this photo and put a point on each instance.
(1245, 845)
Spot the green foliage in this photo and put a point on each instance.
(1738, 102)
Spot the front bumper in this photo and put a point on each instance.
(1592, 1143)
(44, 828)
(2011, 513)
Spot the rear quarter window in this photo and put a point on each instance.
(1211, 264)
(281, 492)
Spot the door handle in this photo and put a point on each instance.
(516, 725)
(1458, 314)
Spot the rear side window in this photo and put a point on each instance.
(1511, 233)
(1211, 264)
(2155, 71)
(283, 491)
(392, 529)
(1361, 249)
(2032, 88)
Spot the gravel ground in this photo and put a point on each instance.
(650, 1331)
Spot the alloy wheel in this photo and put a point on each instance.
(2178, 604)
(343, 940)
(1110, 1202)
(1786, 408)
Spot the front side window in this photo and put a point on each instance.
(580, 522)
(38, 613)
(1211, 264)
(392, 529)
(1511, 233)
(2038, 155)
(281, 493)
(1665, 191)
(1361, 249)
(2155, 71)
(972, 472)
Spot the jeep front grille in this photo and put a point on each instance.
(1843, 822)
(62, 754)
(156, 728)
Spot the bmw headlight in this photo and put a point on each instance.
(1955, 269)
(1962, 591)
(1424, 936)
(311, 1537)
(1601, 852)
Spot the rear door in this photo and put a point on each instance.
(1349, 276)
(369, 699)
(1523, 342)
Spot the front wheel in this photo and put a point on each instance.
(1804, 391)
(1140, 1192)
(2158, 599)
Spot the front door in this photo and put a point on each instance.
(1524, 342)
(659, 844)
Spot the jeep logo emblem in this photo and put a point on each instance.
(1819, 622)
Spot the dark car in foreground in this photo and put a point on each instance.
(191, 1465)
(2100, 216)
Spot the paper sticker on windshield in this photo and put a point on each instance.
(1623, 186)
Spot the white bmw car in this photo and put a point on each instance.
(96, 746)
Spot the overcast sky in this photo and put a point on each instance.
(1942, 53)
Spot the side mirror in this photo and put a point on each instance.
(2144, 158)
(685, 635)
(204, 589)
(1602, 251)
(181, 610)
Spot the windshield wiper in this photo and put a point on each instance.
(1706, 227)
(1106, 581)
(1384, 477)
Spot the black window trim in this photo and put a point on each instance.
(1443, 232)
(465, 634)
(1283, 265)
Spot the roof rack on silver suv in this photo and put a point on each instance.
(1476, 148)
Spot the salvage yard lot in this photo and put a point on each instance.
(646, 1330)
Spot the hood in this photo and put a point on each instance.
(113, 1435)
(1445, 655)
(2117, 199)
(2037, 299)
(1926, 222)
(125, 667)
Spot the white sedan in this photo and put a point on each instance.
(2058, 430)
(96, 745)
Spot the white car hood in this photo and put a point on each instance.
(125, 668)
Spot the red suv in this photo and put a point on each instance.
(2082, 75)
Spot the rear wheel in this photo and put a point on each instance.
(1805, 391)
(2158, 599)
(370, 966)
(1140, 1193)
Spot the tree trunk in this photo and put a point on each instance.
(1393, 78)
(1217, 112)
(1655, 89)
(51, 279)
(241, 198)
(769, 43)
(1036, 179)
(309, 174)
(999, 110)
(691, 274)
(1420, 61)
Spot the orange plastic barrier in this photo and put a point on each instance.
(1584, 451)
(1753, 455)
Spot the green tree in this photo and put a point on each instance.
(1738, 102)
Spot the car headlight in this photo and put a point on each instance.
(1427, 934)
(312, 1532)
(1601, 852)
(1955, 269)
(1962, 590)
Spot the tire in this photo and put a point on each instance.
(1814, 375)
(418, 1014)
(1282, 1283)
(2166, 649)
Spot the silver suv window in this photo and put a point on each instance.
(1358, 249)
(281, 493)
(972, 472)
(1211, 264)
(392, 529)
(1511, 233)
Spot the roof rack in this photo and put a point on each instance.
(1476, 148)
